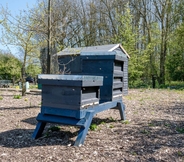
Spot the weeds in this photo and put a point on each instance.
(145, 131)
(17, 97)
(102, 123)
(112, 119)
(93, 127)
(126, 122)
(111, 126)
(54, 129)
(151, 125)
(180, 130)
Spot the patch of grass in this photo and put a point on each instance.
(17, 97)
(134, 153)
(145, 131)
(151, 125)
(128, 97)
(33, 86)
(111, 126)
(152, 113)
(126, 122)
(1, 98)
(112, 119)
(177, 85)
(102, 122)
(180, 130)
(179, 153)
(93, 127)
(167, 125)
(54, 129)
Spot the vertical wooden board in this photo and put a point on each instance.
(125, 79)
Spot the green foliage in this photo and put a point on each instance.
(17, 97)
(10, 67)
(1, 98)
(93, 127)
(54, 129)
(175, 59)
(111, 119)
(180, 130)
(127, 36)
(178, 85)
(126, 122)
(111, 126)
(145, 131)
(175, 66)
(33, 70)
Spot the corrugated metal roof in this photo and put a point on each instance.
(103, 48)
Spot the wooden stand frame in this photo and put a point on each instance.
(81, 118)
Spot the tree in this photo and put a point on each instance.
(127, 37)
(50, 19)
(10, 67)
(17, 31)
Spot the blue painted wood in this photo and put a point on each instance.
(84, 130)
(70, 91)
(74, 113)
(60, 120)
(84, 123)
(111, 63)
(39, 129)
(121, 108)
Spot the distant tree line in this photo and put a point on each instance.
(152, 32)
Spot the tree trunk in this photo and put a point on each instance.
(23, 81)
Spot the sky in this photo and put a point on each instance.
(15, 6)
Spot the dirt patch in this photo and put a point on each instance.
(153, 131)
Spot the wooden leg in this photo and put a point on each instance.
(38, 130)
(84, 129)
(121, 108)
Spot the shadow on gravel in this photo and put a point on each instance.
(156, 137)
(31, 121)
(95, 120)
(18, 108)
(177, 109)
(21, 138)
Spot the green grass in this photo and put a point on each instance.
(33, 86)
(145, 131)
(93, 127)
(151, 125)
(111, 119)
(126, 122)
(54, 129)
(17, 97)
(180, 130)
(102, 123)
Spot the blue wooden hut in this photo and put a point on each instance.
(109, 61)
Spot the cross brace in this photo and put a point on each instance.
(65, 117)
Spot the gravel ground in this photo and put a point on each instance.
(153, 131)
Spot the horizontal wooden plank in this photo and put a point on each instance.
(117, 85)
